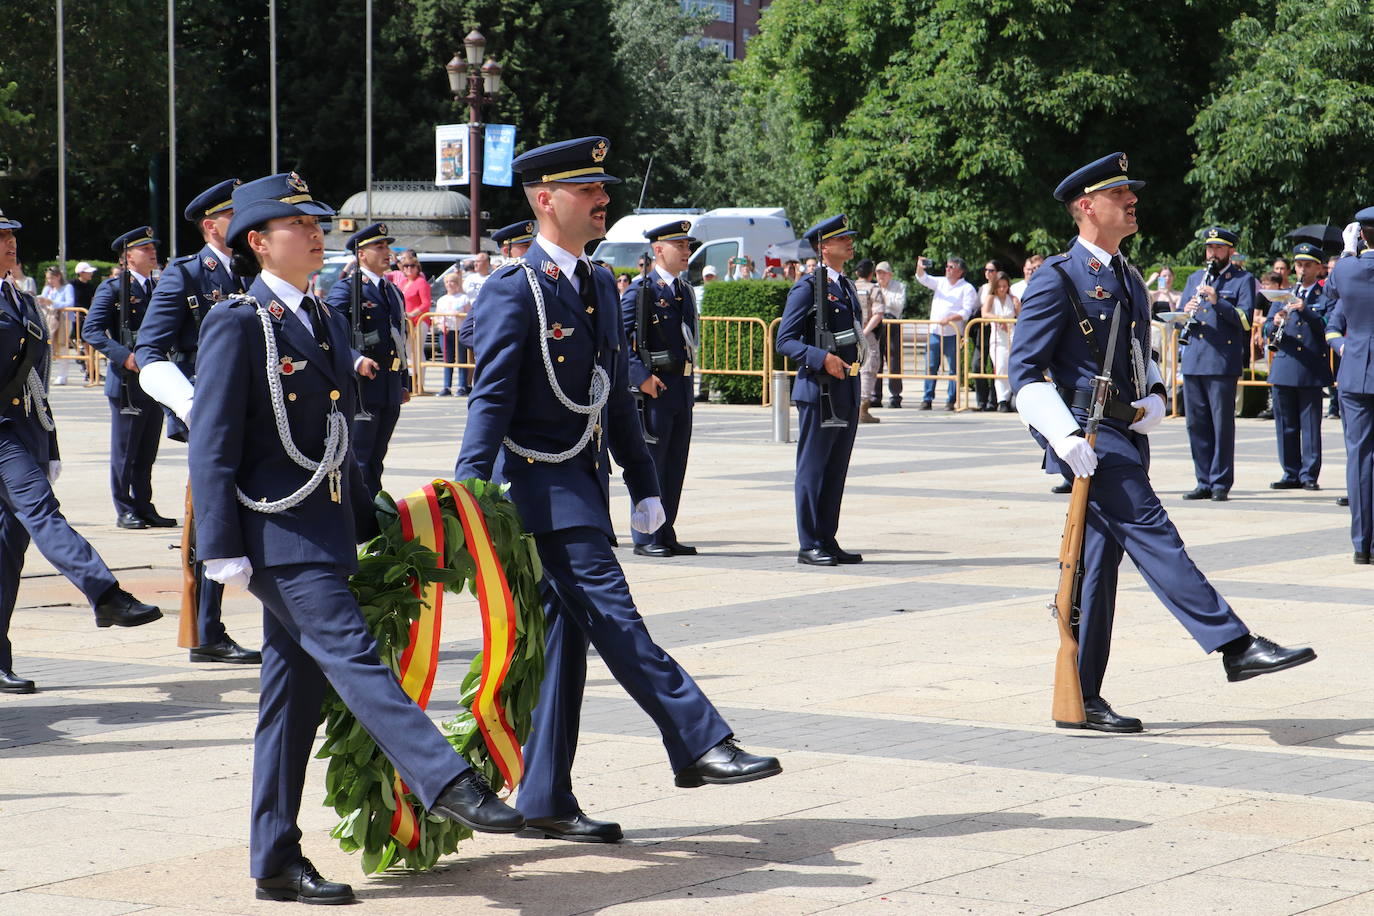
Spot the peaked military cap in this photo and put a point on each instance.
(1306, 251)
(1107, 172)
(1219, 235)
(577, 161)
(1365, 217)
(515, 233)
(213, 200)
(671, 232)
(833, 227)
(284, 194)
(143, 235)
(367, 235)
(7, 223)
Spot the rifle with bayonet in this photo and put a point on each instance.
(360, 340)
(829, 341)
(644, 300)
(128, 339)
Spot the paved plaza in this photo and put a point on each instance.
(908, 699)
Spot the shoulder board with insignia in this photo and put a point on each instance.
(184, 259)
(508, 270)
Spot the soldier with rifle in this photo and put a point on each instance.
(820, 331)
(660, 316)
(168, 340)
(1094, 420)
(376, 314)
(112, 326)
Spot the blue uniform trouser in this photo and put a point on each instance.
(313, 633)
(1298, 426)
(371, 438)
(1357, 416)
(1210, 402)
(938, 347)
(210, 596)
(29, 510)
(587, 601)
(133, 449)
(822, 466)
(1125, 516)
(673, 428)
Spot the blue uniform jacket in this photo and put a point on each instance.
(1048, 339)
(797, 338)
(667, 315)
(190, 284)
(512, 397)
(1303, 358)
(1350, 321)
(1222, 332)
(14, 328)
(234, 440)
(384, 317)
(101, 328)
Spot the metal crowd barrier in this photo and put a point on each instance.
(426, 340)
(981, 333)
(68, 344)
(737, 346)
(909, 339)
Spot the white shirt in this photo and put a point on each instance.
(950, 299)
(289, 296)
(894, 298)
(224, 258)
(1018, 289)
(450, 302)
(565, 260)
(1101, 254)
(663, 275)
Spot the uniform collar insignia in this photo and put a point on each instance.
(290, 366)
(558, 332)
(276, 309)
(833, 297)
(210, 263)
(1099, 293)
(551, 270)
(1094, 264)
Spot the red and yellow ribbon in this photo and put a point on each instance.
(421, 518)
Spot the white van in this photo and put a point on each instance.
(724, 233)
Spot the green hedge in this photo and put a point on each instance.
(763, 299)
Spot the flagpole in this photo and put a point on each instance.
(171, 130)
(61, 149)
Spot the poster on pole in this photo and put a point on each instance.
(497, 153)
(450, 154)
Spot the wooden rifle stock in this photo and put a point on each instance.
(1068, 691)
(188, 632)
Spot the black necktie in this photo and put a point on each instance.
(1119, 269)
(585, 288)
(312, 308)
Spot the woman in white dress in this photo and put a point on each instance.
(998, 302)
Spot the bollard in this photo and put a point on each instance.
(782, 406)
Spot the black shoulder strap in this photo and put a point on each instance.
(1084, 324)
(29, 351)
(192, 300)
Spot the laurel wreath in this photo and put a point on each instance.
(359, 780)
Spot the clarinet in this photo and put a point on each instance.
(1208, 279)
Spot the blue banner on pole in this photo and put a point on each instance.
(497, 153)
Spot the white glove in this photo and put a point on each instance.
(1153, 416)
(1077, 454)
(1350, 236)
(54, 471)
(163, 382)
(648, 515)
(234, 571)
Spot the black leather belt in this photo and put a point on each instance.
(673, 368)
(1114, 409)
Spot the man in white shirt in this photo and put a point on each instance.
(955, 299)
(892, 292)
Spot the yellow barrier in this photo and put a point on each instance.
(427, 349)
(911, 336)
(67, 342)
(737, 346)
(987, 336)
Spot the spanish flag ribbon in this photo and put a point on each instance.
(421, 518)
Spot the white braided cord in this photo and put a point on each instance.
(599, 389)
(336, 440)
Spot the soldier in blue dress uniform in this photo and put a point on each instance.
(380, 355)
(514, 241)
(168, 340)
(1300, 367)
(550, 406)
(1349, 296)
(135, 418)
(281, 506)
(666, 384)
(1064, 327)
(1220, 298)
(29, 466)
(826, 392)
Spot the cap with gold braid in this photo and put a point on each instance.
(671, 232)
(1218, 235)
(7, 223)
(257, 201)
(212, 201)
(366, 236)
(1107, 172)
(573, 161)
(831, 228)
(515, 233)
(143, 235)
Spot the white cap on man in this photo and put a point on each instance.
(708, 271)
(85, 267)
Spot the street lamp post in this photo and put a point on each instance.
(477, 84)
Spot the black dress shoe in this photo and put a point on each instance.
(894, 403)
(1265, 414)
(575, 828)
(470, 801)
(1220, 496)
(653, 550)
(120, 609)
(1261, 656)
(1311, 485)
(682, 550)
(1285, 484)
(1342, 500)
(1198, 493)
(1361, 558)
(129, 520)
(13, 683)
(925, 405)
(157, 521)
(844, 557)
(814, 556)
(727, 763)
(1064, 487)
(302, 882)
(228, 652)
(1102, 718)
